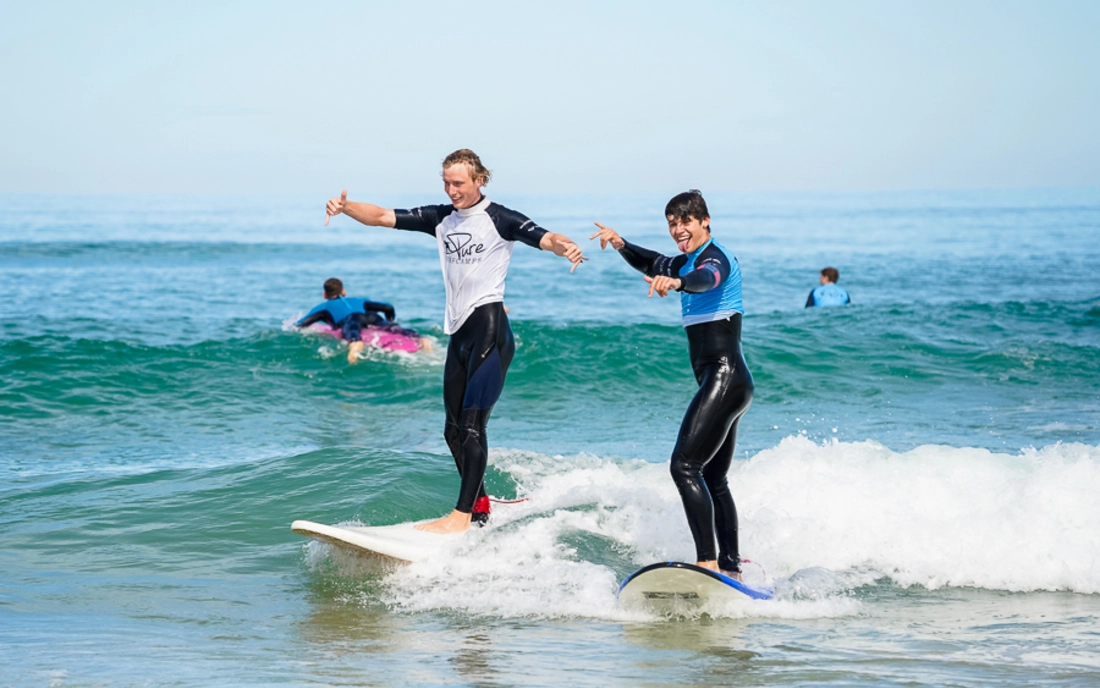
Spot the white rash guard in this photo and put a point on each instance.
(475, 248)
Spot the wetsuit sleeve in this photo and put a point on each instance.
(711, 269)
(317, 315)
(810, 300)
(513, 226)
(650, 262)
(423, 219)
(380, 307)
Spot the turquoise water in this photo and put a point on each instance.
(917, 473)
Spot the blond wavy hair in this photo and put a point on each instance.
(465, 156)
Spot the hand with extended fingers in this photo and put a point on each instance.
(562, 246)
(335, 206)
(567, 249)
(608, 236)
(662, 285)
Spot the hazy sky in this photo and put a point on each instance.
(310, 97)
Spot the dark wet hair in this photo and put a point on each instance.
(831, 274)
(686, 206)
(333, 287)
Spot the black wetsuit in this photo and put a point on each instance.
(473, 377)
(475, 249)
(708, 434)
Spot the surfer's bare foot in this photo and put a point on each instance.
(353, 351)
(736, 575)
(454, 522)
(712, 565)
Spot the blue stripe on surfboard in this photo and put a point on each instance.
(761, 594)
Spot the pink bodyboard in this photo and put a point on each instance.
(378, 337)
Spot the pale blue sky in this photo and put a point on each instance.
(558, 97)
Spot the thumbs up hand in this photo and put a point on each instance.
(335, 206)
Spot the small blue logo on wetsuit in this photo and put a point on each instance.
(715, 303)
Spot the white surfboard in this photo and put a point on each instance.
(401, 542)
(671, 585)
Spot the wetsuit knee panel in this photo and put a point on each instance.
(683, 471)
(471, 424)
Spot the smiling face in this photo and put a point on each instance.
(689, 233)
(459, 187)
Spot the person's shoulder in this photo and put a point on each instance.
(514, 225)
(440, 211)
(494, 209)
(716, 251)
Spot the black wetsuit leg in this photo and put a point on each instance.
(708, 434)
(353, 325)
(478, 357)
(725, 512)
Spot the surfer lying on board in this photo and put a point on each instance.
(351, 315)
(708, 278)
(475, 238)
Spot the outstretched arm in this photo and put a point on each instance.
(316, 317)
(514, 226)
(659, 270)
(640, 258)
(368, 214)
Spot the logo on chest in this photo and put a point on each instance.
(460, 247)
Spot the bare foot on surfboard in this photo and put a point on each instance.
(713, 566)
(454, 522)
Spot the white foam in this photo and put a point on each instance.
(932, 516)
(825, 519)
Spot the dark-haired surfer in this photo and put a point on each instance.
(708, 278)
(350, 315)
(828, 293)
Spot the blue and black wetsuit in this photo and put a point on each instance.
(828, 294)
(351, 315)
(710, 302)
(475, 249)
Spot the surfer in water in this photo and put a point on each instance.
(475, 238)
(827, 293)
(351, 315)
(708, 278)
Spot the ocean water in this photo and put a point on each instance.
(917, 475)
